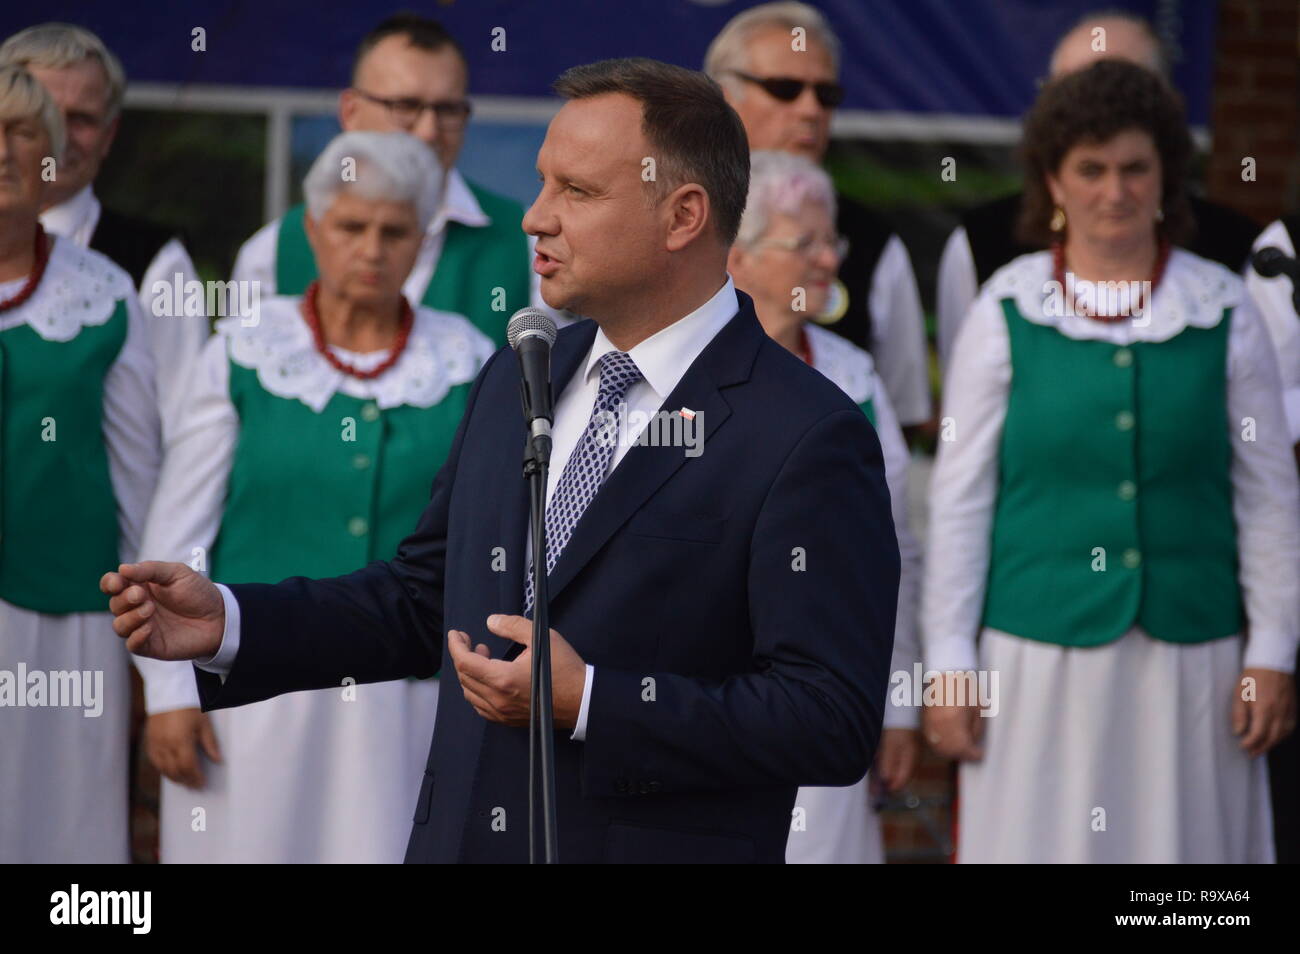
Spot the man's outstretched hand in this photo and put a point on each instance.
(165, 610)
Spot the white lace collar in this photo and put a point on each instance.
(443, 350)
(843, 362)
(1193, 292)
(80, 287)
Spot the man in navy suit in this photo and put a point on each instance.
(727, 607)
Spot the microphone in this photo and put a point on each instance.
(1271, 261)
(531, 333)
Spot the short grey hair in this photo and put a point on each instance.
(730, 48)
(780, 183)
(389, 166)
(60, 45)
(23, 96)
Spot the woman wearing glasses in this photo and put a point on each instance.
(1114, 513)
(308, 446)
(785, 257)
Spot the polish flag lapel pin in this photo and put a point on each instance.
(687, 414)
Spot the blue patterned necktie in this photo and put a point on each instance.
(587, 466)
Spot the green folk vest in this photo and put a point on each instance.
(321, 495)
(482, 272)
(1114, 503)
(58, 512)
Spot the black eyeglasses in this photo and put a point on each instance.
(449, 114)
(788, 89)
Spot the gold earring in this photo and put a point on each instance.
(1058, 220)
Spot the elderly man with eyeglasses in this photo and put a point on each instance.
(778, 65)
(411, 75)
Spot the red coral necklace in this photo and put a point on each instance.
(318, 335)
(42, 251)
(1058, 268)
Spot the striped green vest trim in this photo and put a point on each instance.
(482, 273)
(1114, 502)
(58, 512)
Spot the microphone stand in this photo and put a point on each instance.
(541, 715)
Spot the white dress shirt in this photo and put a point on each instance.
(898, 334)
(663, 359)
(955, 291)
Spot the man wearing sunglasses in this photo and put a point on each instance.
(410, 75)
(778, 65)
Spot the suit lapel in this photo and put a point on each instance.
(727, 360)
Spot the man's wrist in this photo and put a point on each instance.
(580, 725)
(223, 660)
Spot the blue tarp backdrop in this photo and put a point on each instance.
(971, 57)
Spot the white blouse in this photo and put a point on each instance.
(443, 350)
(1272, 296)
(963, 491)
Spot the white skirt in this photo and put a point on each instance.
(63, 769)
(307, 778)
(1121, 753)
(837, 826)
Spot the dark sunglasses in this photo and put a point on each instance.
(787, 90)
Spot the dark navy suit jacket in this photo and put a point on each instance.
(738, 607)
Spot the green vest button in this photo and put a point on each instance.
(370, 411)
(1124, 420)
(357, 526)
(361, 461)
(1127, 490)
(1123, 357)
(1132, 558)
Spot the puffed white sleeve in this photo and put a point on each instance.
(1265, 495)
(907, 649)
(898, 332)
(174, 336)
(955, 291)
(132, 430)
(187, 508)
(1273, 299)
(963, 489)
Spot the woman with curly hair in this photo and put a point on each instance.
(1114, 514)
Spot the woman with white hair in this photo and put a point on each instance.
(785, 257)
(79, 455)
(308, 444)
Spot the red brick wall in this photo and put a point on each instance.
(1256, 107)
